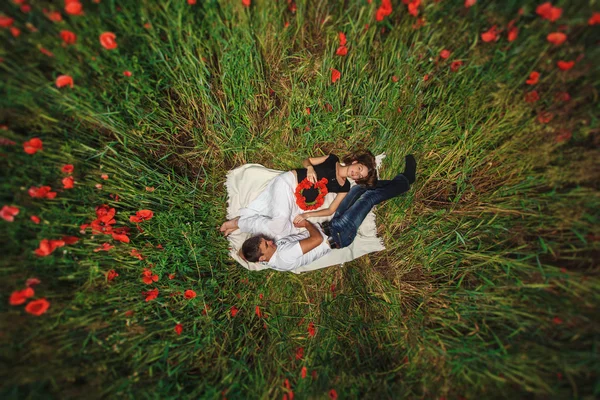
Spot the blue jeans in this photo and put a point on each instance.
(356, 205)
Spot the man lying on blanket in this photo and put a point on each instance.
(300, 249)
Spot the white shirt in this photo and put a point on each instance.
(288, 255)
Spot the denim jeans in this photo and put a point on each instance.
(356, 205)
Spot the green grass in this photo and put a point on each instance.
(497, 238)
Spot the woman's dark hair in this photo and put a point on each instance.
(366, 158)
(250, 248)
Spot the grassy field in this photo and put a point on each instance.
(489, 281)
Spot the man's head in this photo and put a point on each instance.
(258, 248)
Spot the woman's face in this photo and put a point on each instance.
(357, 171)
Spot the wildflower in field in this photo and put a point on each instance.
(127, 73)
(556, 38)
(557, 321)
(548, 11)
(563, 136)
(73, 7)
(70, 239)
(303, 372)
(43, 192)
(68, 182)
(333, 394)
(16, 32)
(594, 19)
(150, 189)
(37, 307)
(189, 294)
(148, 277)
(246, 3)
(104, 176)
(444, 54)
(426, 77)
(234, 310)
(311, 329)
(68, 37)
(544, 117)
(532, 97)
(111, 274)
(104, 221)
(513, 33)
(19, 297)
(35, 219)
(179, 328)
(565, 65)
(32, 146)
(384, 10)
(470, 3)
(8, 213)
(32, 282)
(104, 247)
(25, 8)
(257, 311)
(151, 295)
(413, 7)
(48, 246)
(562, 96)
(6, 22)
(136, 253)
(46, 52)
(335, 75)
(67, 168)
(490, 35)
(53, 16)
(455, 65)
(191, 2)
(64, 80)
(534, 77)
(120, 237)
(341, 51)
(98, 186)
(206, 309)
(108, 40)
(299, 353)
(141, 216)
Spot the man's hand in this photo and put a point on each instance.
(229, 227)
(313, 240)
(301, 223)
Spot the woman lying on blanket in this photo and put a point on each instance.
(292, 196)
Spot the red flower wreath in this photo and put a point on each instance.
(321, 186)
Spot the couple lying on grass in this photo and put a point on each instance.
(276, 217)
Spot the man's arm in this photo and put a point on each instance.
(315, 238)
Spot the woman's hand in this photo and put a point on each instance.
(311, 175)
(300, 217)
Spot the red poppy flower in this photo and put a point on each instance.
(53, 16)
(148, 277)
(25, 8)
(513, 33)
(6, 22)
(565, 65)
(48, 246)
(136, 253)
(342, 37)
(20, 296)
(68, 37)
(490, 35)
(151, 295)
(74, 8)
(341, 51)
(455, 65)
(335, 75)
(556, 38)
(557, 321)
(171, 276)
(120, 237)
(32, 146)
(179, 327)
(563, 136)
(246, 3)
(70, 239)
(37, 307)
(534, 77)
(67, 168)
(544, 117)
(127, 73)
(32, 282)
(108, 40)
(104, 247)
(43, 192)
(191, 2)
(142, 215)
(445, 54)
(413, 7)
(189, 294)
(532, 97)
(426, 77)
(303, 372)
(111, 274)
(68, 182)
(470, 3)
(594, 19)
(311, 329)
(129, 313)
(46, 52)
(299, 353)
(562, 96)
(257, 311)
(64, 80)
(16, 32)
(8, 213)
(234, 310)
(549, 12)
(384, 10)
(333, 394)
(35, 219)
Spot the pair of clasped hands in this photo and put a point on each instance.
(311, 175)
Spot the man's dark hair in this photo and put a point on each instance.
(250, 248)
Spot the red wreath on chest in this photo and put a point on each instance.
(321, 186)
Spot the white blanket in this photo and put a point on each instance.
(245, 183)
